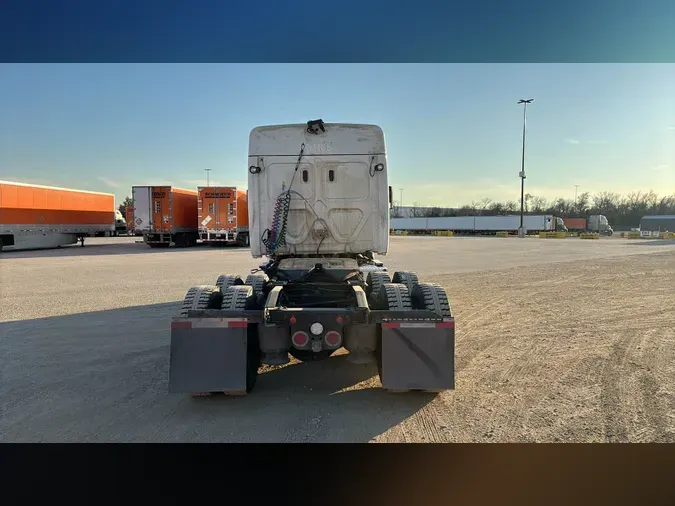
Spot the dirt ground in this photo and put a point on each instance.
(569, 352)
(579, 349)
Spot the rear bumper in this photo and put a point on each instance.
(218, 235)
(416, 349)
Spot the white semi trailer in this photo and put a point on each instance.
(481, 224)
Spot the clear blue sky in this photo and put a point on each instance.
(453, 131)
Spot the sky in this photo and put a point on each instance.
(453, 131)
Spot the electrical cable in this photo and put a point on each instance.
(275, 237)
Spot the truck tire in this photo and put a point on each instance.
(375, 280)
(431, 297)
(409, 279)
(237, 298)
(224, 281)
(395, 297)
(257, 281)
(240, 298)
(201, 297)
(242, 240)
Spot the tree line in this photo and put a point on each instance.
(620, 210)
(123, 206)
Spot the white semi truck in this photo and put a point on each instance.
(319, 203)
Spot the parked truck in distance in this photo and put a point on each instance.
(36, 216)
(318, 209)
(120, 223)
(480, 225)
(598, 223)
(223, 215)
(165, 215)
(595, 223)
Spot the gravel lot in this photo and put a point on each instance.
(557, 340)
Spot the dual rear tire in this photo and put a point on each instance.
(231, 293)
(404, 292)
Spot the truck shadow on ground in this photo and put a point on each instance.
(112, 247)
(103, 377)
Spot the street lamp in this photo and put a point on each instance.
(521, 230)
(207, 176)
(576, 190)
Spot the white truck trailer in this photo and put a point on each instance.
(319, 205)
(481, 224)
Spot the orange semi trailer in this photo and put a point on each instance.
(223, 215)
(165, 215)
(36, 216)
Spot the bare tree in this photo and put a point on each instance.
(128, 202)
(433, 212)
(538, 204)
(583, 203)
(395, 211)
(416, 211)
(622, 211)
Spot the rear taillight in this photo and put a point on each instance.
(332, 339)
(300, 339)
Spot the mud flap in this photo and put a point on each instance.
(418, 356)
(208, 355)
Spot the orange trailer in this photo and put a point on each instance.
(131, 225)
(223, 215)
(165, 215)
(129, 218)
(37, 216)
(575, 223)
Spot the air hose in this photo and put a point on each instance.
(275, 237)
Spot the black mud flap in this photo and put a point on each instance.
(208, 355)
(418, 356)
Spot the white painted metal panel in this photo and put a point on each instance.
(339, 139)
(452, 223)
(335, 188)
(142, 207)
(496, 223)
(409, 224)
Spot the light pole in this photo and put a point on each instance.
(521, 230)
(400, 202)
(576, 190)
(207, 176)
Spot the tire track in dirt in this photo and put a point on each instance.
(615, 430)
(470, 340)
(540, 374)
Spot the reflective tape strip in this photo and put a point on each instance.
(210, 323)
(450, 324)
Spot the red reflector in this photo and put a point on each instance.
(238, 324)
(181, 325)
(391, 325)
(339, 320)
(300, 339)
(293, 320)
(332, 338)
(446, 325)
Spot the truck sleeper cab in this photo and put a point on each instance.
(318, 208)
